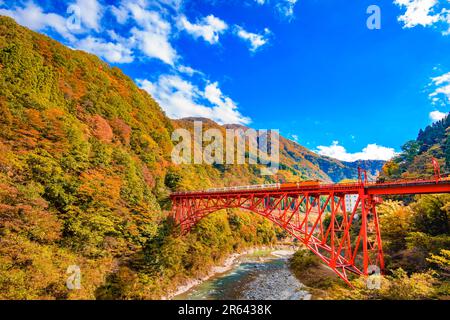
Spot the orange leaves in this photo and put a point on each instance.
(72, 84)
(44, 49)
(148, 177)
(100, 187)
(122, 130)
(8, 194)
(100, 128)
(34, 118)
(27, 215)
(5, 164)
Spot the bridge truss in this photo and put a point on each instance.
(346, 239)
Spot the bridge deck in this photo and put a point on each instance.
(400, 187)
(345, 238)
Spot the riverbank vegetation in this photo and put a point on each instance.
(168, 261)
(416, 250)
(85, 174)
(415, 231)
(85, 178)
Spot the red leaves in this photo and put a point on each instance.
(100, 128)
(148, 177)
(122, 130)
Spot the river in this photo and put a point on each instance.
(262, 275)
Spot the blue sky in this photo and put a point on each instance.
(310, 68)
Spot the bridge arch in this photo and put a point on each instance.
(346, 239)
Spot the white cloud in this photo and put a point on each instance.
(91, 13)
(418, 12)
(145, 32)
(442, 88)
(371, 152)
(180, 98)
(437, 115)
(209, 28)
(424, 13)
(286, 8)
(154, 45)
(224, 109)
(188, 70)
(255, 40)
(33, 17)
(120, 13)
(148, 20)
(112, 52)
(151, 33)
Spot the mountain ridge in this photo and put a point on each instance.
(85, 178)
(415, 160)
(302, 160)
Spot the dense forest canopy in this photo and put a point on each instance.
(85, 174)
(415, 160)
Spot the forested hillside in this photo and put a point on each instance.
(415, 159)
(297, 163)
(85, 175)
(415, 231)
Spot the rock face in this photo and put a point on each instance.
(275, 284)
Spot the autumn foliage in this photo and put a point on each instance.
(85, 175)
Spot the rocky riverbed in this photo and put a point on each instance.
(275, 284)
(252, 277)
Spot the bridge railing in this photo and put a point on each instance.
(353, 186)
(272, 187)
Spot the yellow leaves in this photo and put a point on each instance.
(93, 275)
(5, 114)
(395, 221)
(100, 187)
(398, 286)
(27, 214)
(391, 168)
(26, 268)
(402, 287)
(394, 208)
(442, 260)
(32, 271)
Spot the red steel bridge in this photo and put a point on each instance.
(347, 239)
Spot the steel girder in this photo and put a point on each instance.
(345, 239)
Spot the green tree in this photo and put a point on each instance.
(432, 214)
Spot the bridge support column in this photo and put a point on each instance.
(371, 236)
(346, 239)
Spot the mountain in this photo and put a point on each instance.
(328, 169)
(85, 174)
(297, 162)
(415, 161)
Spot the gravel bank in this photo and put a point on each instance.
(275, 284)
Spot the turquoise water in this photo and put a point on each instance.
(234, 283)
